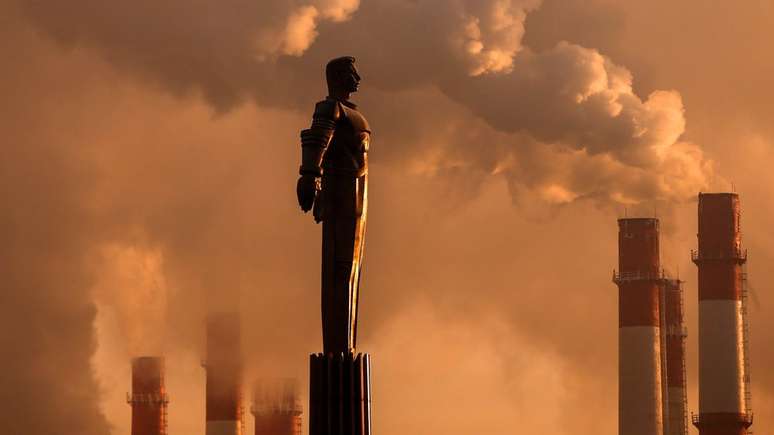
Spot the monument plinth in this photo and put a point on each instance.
(340, 394)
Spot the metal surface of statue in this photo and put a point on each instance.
(334, 186)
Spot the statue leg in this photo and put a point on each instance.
(343, 236)
(361, 211)
(339, 379)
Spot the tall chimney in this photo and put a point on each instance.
(277, 408)
(224, 414)
(639, 280)
(148, 398)
(723, 398)
(674, 346)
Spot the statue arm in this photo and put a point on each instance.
(314, 143)
(315, 140)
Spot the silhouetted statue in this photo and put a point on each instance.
(334, 184)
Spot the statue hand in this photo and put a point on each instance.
(306, 189)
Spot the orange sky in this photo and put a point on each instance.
(149, 165)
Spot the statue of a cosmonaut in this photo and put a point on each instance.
(334, 185)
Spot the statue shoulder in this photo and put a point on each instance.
(328, 109)
(356, 118)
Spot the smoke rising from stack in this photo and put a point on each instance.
(132, 286)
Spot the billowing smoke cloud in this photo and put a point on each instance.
(605, 141)
(221, 49)
(300, 27)
(47, 229)
(492, 33)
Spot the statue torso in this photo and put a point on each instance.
(345, 167)
(347, 152)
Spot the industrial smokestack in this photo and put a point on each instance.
(639, 280)
(674, 333)
(277, 408)
(723, 376)
(148, 398)
(224, 414)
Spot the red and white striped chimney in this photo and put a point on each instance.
(224, 376)
(723, 407)
(148, 398)
(277, 408)
(674, 346)
(639, 359)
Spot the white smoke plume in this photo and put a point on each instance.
(601, 139)
(300, 27)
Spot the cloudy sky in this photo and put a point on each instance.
(149, 158)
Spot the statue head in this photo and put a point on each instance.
(342, 77)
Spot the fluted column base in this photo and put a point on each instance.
(340, 394)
